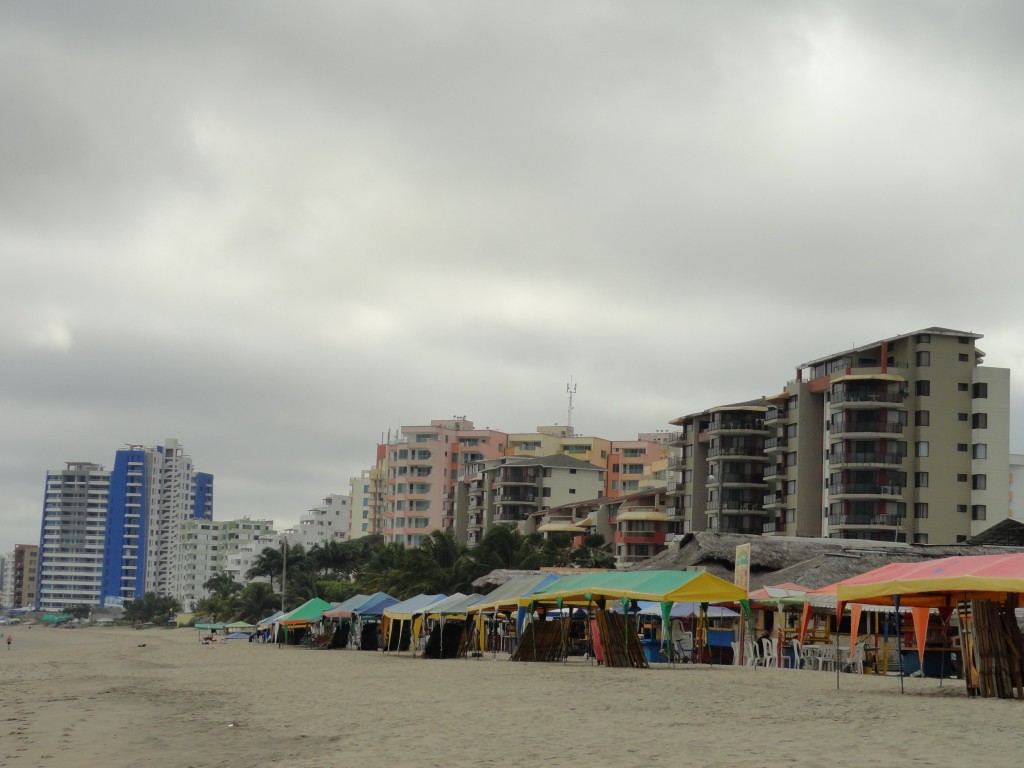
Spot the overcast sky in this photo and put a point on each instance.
(276, 230)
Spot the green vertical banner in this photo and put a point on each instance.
(742, 580)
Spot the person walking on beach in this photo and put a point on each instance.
(9, 638)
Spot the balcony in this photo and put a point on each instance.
(736, 425)
(864, 520)
(746, 451)
(868, 398)
(773, 471)
(840, 427)
(865, 489)
(773, 500)
(734, 507)
(775, 414)
(866, 457)
(776, 443)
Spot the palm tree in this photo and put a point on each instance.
(504, 546)
(222, 585)
(256, 601)
(268, 564)
(595, 552)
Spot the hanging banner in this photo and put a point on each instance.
(742, 578)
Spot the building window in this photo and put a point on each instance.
(962, 447)
(962, 386)
(922, 418)
(980, 390)
(924, 338)
(924, 358)
(978, 512)
(961, 417)
(960, 538)
(963, 339)
(920, 479)
(920, 538)
(546, 493)
(979, 421)
(791, 459)
(961, 478)
(979, 482)
(923, 388)
(961, 508)
(921, 448)
(572, 491)
(921, 509)
(979, 451)
(964, 357)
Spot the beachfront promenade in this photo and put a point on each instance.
(93, 697)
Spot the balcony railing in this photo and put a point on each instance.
(868, 397)
(774, 414)
(776, 442)
(887, 427)
(875, 520)
(866, 489)
(735, 450)
(737, 425)
(866, 457)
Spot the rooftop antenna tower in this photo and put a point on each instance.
(571, 389)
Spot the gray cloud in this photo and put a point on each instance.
(276, 233)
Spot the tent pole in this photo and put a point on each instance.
(899, 638)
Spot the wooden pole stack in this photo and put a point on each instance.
(993, 643)
(541, 641)
(619, 642)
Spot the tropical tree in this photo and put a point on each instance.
(504, 546)
(217, 607)
(594, 552)
(256, 601)
(269, 564)
(158, 610)
(222, 585)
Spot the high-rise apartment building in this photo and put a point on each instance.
(510, 490)
(903, 439)
(109, 536)
(327, 521)
(71, 541)
(366, 501)
(422, 467)
(24, 576)
(209, 547)
(183, 494)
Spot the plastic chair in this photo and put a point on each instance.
(735, 653)
(798, 655)
(857, 662)
(769, 652)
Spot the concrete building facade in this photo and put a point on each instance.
(72, 536)
(904, 439)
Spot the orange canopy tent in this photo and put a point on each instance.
(935, 584)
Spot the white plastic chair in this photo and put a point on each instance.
(769, 652)
(857, 662)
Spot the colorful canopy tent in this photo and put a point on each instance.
(269, 621)
(987, 580)
(663, 587)
(453, 605)
(240, 625)
(452, 608)
(310, 611)
(934, 583)
(655, 586)
(507, 598)
(345, 608)
(406, 612)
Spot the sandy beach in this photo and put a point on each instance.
(93, 697)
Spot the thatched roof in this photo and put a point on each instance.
(812, 563)
(1005, 533)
